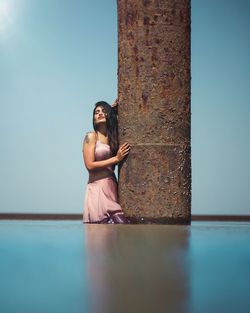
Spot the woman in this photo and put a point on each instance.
(101, 154)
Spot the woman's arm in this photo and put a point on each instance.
(89, 154)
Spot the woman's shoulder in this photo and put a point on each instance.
(90, 137)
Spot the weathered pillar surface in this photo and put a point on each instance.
(154, 110)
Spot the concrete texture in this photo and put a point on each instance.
(154, 110)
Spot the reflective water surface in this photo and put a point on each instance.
(65, 266)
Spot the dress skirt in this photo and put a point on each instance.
(100, 201)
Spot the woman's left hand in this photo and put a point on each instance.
(115, 104)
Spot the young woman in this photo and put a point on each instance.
(101, 154)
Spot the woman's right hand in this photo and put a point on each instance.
(123, 151)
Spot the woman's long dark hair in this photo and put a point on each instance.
(112, 125)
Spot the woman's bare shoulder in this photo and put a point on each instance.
(90, 137)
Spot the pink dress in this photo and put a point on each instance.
(100, 202)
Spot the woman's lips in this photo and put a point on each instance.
(100, 118)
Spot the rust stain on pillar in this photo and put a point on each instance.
(154, 111)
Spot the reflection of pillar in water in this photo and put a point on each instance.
(154, 109)
(138, 269)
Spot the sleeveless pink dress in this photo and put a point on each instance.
(101, 195)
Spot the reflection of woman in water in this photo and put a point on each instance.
(101, 154)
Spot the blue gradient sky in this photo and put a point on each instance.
(58, 57)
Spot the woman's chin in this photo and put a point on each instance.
(102, 121)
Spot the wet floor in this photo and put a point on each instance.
(65, 266)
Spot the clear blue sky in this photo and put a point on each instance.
(58, 57)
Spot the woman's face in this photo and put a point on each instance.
(100, 115)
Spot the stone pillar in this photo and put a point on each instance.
(154, 110)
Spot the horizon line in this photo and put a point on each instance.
(77, 216)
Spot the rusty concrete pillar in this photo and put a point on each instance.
(154, 111)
